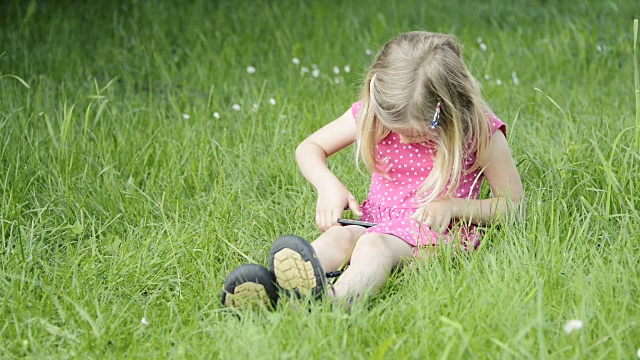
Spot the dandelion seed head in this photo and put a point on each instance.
(272, 101)
(235, 107)
(186, 116)
(483, 46)
(295, 61)
(315, 73)
(251, 69)
(573, 325)
(216, 115)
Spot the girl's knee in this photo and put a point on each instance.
(370, 244)
(340, 237)
(374, 240)
(380, 248)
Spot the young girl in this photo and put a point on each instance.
(423, 130)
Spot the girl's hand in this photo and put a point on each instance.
(437, 215)
(332, 202)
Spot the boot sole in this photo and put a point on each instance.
(250, 286)
(296, 267)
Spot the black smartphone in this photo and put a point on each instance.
(355, 222)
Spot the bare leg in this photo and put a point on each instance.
(373, 257)
(334, 246)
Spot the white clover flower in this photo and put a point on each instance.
(347, 69)
(487, 77)
(483, 46)
(216, 115)
(251, 69)
(314, 66)
(40, 113)
(304, 70)
(144, 321)
(336, 70)
(573, 325)
(479, 40)
(296, 61)
(499, 82)
(514, 77)
(255, 106)
(638, 352)
(235, 107)
(272, 101)
(283, 116)
(368, 52)
(337, 80)
(315, 73)
(599, 48)
(186, 116)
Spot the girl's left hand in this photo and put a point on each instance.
(437, 215)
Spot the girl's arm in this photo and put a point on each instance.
(504, 180)
(312, 154)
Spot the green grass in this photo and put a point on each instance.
(114, 207)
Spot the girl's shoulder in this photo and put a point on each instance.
(355, 109)
(495, 123)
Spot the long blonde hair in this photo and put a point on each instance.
(413, 72)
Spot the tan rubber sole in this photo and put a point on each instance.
(248, 294)
(293, 273)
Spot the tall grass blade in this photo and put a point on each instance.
(636, 77)
(17, 78)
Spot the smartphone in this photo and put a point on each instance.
(356, 222)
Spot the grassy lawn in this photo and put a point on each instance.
(142, 159)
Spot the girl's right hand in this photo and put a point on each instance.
(331, 204)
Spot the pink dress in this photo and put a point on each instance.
(390, 203)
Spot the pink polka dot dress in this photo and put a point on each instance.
(391, 202)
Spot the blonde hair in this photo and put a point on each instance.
(413, 72)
